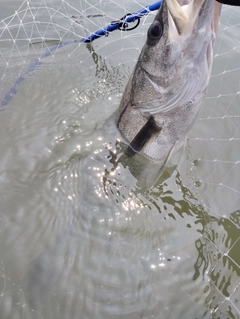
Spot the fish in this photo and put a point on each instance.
(168, 85)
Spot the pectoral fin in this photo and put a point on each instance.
(143, 136)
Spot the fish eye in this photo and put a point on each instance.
(154, 33)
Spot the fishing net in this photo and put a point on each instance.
(37, 37)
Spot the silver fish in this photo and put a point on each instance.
(167, 87)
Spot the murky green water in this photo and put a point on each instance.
(78, 238)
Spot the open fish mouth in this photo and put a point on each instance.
(182, 15)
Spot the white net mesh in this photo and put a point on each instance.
(215, 143)
(29, 29)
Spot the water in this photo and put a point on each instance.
(78, 239)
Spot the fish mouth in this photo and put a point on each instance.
(182, 15)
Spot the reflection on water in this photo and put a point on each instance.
(84, 239)
(81, 233)
(218, 260)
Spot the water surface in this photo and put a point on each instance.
(78, 238)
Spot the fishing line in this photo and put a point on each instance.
(121, 24)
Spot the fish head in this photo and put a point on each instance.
(179, 42)
(167, 87)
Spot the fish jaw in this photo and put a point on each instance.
(171, 76)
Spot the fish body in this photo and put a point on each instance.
(170, 79)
